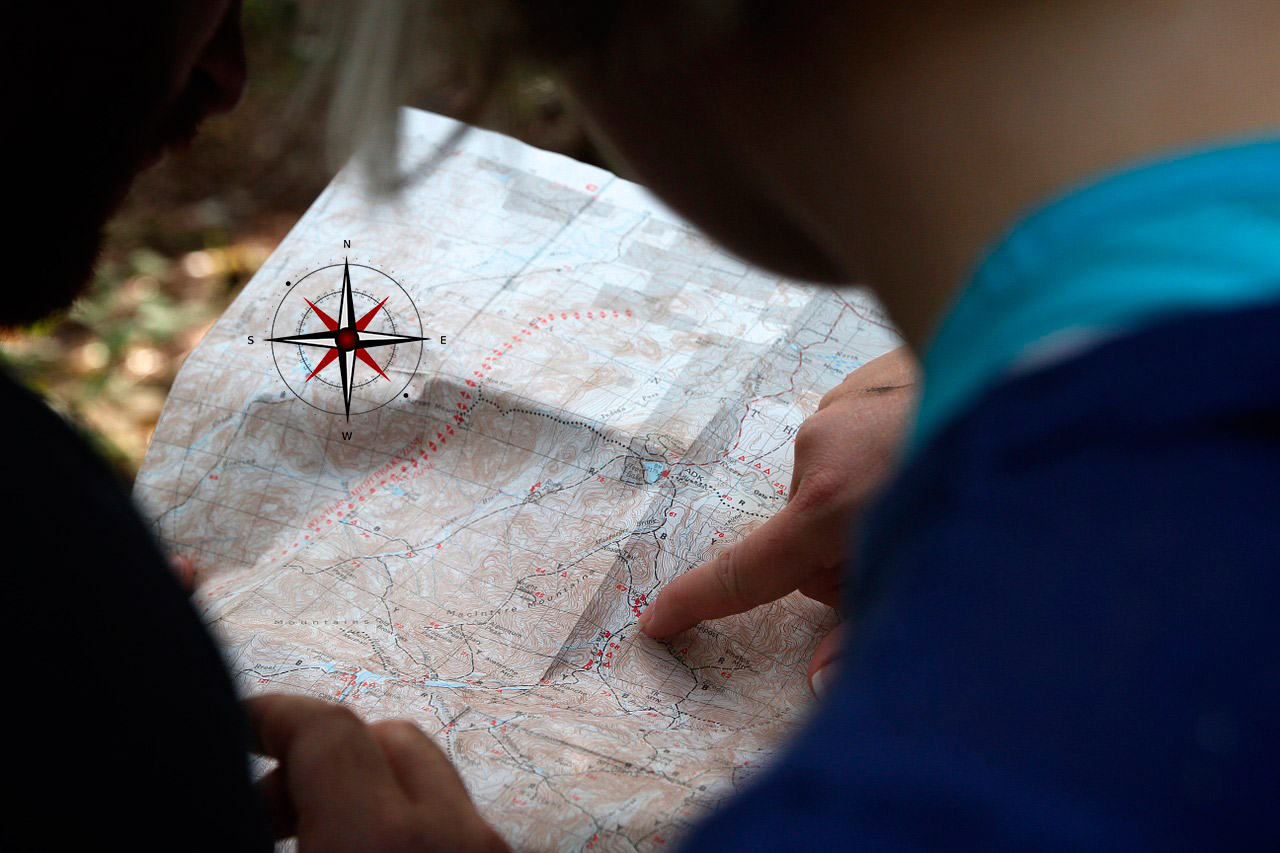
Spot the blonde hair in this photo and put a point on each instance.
(485, 50)
(390, 50)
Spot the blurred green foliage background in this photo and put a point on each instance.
(195, 228)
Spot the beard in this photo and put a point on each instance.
(66, 192)
(62, 233)
(125, 81)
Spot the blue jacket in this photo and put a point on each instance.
(1065, 620)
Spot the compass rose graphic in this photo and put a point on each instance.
(368, 330)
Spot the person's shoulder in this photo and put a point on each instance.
(41, 445)
(70, 501)
(1209, 379)
(135, 702)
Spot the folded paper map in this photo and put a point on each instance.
(444, 448)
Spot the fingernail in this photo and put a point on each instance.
(822, 680)
(645, 616)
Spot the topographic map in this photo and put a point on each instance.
(615, 401)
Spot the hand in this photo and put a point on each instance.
(844, 451)
(343, 785)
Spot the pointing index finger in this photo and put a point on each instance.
(772, 561)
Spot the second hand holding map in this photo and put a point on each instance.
(590, 399)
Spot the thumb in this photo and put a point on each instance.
(825, 662)
(185, 571)
(775, 559)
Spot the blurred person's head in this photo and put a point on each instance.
(99, 91)
(888, 143)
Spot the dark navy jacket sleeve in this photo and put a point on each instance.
(1065, 631)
